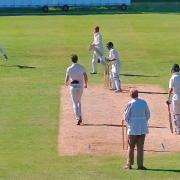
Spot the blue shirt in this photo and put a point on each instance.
(137, 115)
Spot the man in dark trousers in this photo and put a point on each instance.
(137, 115)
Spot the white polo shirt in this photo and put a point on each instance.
(137, 115)
(174, 83)
(113, 54)
(76, 72)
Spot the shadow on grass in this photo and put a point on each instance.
(138, 75)
(18, 66)
(164, 170)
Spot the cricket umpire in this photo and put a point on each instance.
(174, 88)
(76, 76)
(137, 115)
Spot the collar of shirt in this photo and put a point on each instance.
(73, 64)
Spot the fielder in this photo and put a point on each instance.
(98, 51)
(174, 88)
(136, 115)
(77, 76)
(115, 70)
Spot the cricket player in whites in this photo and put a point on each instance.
(76, 77)
(98, 51)
(174, 87)
(115, 70)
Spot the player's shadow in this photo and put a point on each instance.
(18, 66)
(138, 75)
(145, 92)
(119, 125)
(158, 127)
(148, 92)
(156, 151)
(164, 170)
(110, 125)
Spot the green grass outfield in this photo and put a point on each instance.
(29, 97)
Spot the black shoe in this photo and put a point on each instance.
(112, 89)
(142, 168)
(177, 131)
(128, 167)
(117, 91)
(79, 122)
(93, 72)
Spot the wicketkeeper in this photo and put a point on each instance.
(174, 88)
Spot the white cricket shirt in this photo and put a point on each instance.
(76, 72)
(113, 54)
(98, 40)
(174, 83)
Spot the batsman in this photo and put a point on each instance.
(115, 70)
(174, 88)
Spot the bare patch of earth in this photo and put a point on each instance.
(101, 132)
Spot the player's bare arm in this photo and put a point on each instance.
(85, 80)
(169, 95)
(66, 80)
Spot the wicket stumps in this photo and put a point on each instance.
(107, 82)
(124, 136)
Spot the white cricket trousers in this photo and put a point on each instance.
(76, 91)
(176, 113)
(116, 83)
(95, 61)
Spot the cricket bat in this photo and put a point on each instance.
(170, 120)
